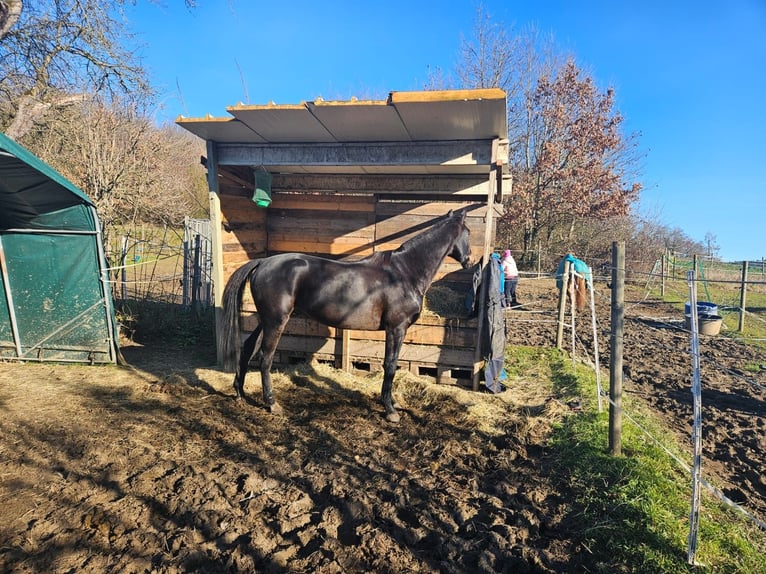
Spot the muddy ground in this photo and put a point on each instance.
(156, 468)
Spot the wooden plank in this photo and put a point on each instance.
(330, 230)
(244, 237)
(374, 352)
(429, 209)
(424, 335)
(318, 238)
(307, 246)
(312, 345)
(231, 265)
(242, 211)
(424, 354)
(249, 250)
(426, 329)
(430, 185)
(350, 218)
(416, 335)
(228, 191)
(323, 202)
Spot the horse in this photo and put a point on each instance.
(382, 292)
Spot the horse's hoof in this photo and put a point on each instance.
(393, 417)
(276, 409)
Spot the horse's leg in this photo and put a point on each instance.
(271, 338)
(394, 338)
(248, 349)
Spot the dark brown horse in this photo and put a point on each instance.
(383, 292)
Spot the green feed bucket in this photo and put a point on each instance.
(262, 194)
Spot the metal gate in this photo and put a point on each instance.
(198, 263)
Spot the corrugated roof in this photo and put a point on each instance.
(404, 117)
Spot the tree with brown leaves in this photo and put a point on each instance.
(580, 160)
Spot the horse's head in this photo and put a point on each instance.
(461, 249)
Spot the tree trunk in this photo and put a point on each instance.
(10, 10)
(29, 110)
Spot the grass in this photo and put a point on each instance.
(633, 510)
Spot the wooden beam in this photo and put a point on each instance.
(215, 230)
(453, 154)
(383, 184)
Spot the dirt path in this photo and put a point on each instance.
(111, 470)
(157, 469)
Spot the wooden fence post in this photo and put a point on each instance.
(743, 298)
(615, 359)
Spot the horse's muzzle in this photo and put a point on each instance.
(466, 262)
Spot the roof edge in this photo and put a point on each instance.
(23, 154)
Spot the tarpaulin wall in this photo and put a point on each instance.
(55, 303)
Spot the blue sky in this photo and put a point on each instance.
(690, 76)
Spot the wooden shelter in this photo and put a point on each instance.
(348, 178)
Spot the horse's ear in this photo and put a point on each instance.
(449, 213)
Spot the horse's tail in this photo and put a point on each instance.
(580, 293)
(231, 342)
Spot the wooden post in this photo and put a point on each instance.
(662, 272)
(743, 298)
(345, 356)
(562, 304)
(539, 259)
(615, 362)
(215, 236)
(123, 269)
(696, 265)
(488, 222)
(571, 291)
(597, 361)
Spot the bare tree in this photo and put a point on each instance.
(55, 53)
(132, 170)
(10, 10)
(711, 245)
(580, 161)
(571, 163)
(61, 51)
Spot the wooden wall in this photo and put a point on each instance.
(348, 226)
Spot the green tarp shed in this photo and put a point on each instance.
(55, 300)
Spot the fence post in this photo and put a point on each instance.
(562, 304)
(539, 259)
(662, 272)
(615, 359)
(186, 271)
(196, 279)
(123, 270)
(589, 285)
(571, 291)
(743, 298)
(694, 513)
